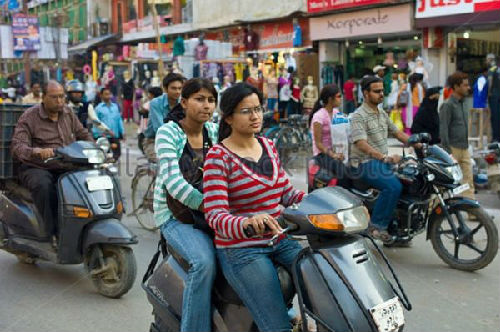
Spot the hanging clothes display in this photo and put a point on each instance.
(327, 74)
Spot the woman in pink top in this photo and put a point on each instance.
(320, 122)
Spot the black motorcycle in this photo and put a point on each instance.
(461, 232)
(89, 212)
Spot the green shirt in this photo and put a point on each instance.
(373, 126)
(169, 145)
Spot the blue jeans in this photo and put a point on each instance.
(379, 175)
(197, 248)
(252, 274)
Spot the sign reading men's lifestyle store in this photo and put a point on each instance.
(362, 23)
(434, 8)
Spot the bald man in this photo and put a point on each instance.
(39, 131)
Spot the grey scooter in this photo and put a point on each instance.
(338, 277)
(89, 212)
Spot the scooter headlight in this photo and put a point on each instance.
(455, 172)
(348, 221)
(103, 144)
(94, 156)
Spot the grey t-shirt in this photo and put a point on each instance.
(373, 126)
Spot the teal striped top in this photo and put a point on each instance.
(169, 145)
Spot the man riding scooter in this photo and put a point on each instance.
(82, 109)
(40, 130)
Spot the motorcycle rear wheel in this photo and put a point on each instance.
(441, 229)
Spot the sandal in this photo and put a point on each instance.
(380, 234)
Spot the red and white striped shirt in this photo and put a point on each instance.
(232, 192)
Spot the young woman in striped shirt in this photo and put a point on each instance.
(244, 184)
(181, 145)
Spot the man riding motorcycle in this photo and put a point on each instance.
(39, 131)
(369, 157)
(82, 109)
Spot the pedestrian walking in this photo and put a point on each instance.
(453, 121)
(494, 96)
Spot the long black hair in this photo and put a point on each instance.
(189, 88)
(328, 91)
(230, 100)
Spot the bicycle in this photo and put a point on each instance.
(143, 184)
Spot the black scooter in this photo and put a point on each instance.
(338, 277)
(89, 212)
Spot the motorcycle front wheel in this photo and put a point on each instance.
(114, 274)
(477, 242)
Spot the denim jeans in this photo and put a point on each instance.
(379, 175)
(252, 274)
(197, 248)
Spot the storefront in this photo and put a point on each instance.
(348, 45)
(459, 35)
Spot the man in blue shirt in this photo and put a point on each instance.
(109, 114)
(158, 109)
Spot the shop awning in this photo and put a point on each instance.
(176, 29)
(83, 47)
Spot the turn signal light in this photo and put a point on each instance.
(80, 212)
(326, 221)
(119, 207)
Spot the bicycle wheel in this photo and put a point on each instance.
(142, 199)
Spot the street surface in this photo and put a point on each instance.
(46, 297)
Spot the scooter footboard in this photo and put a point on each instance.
(339, 283)
(164, 291)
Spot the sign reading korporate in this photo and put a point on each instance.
(363, 23)
(431, 8)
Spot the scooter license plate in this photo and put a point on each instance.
(99, 183)
(461, 189)
(388, 315)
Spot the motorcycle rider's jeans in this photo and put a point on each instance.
(252, 274)
(197, 248)
(379, 175)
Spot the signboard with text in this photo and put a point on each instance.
(316, 6)
(25, 32)
(431, 8)
(362, 23)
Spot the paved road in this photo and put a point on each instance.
(46, 297)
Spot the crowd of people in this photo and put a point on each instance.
(216, 179)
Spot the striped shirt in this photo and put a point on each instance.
(169, 145)
(233, 192)
(372, 126)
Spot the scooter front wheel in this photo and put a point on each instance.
(112, 269)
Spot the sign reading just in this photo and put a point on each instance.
(433, 8)
(363, 23)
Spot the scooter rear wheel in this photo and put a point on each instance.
(118, 275)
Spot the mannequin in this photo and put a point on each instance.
(155, 81)
(254, 79)
(272, 90)
(128, 96)
(309, 95)
(108, 76)
(201, 50)
(295, 100)
(420, 66)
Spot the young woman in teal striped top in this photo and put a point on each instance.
(183, 140)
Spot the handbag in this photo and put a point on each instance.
(191, 167)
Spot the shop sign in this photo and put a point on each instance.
(434, 8)
(280, 35)
(25, 32)
(316, 6)
(433, 37)
(368, 22)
